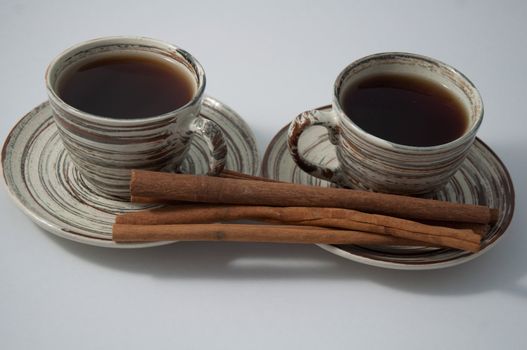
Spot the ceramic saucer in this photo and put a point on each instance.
(482, 179)
(44, 183)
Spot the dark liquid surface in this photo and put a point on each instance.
(126, 86)
(406, 110)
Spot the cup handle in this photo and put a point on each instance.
(303, 122)
(211, 133)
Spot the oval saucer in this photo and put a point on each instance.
(43, 182)
(482, 179)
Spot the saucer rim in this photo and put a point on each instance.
(96, 241)
(400, 265)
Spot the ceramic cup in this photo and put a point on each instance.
(105, 149)
(369, 162)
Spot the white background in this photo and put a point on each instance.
(268, 60)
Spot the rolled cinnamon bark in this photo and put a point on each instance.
(256, 233)
(309, 216)
(479, 229)
(208, 189)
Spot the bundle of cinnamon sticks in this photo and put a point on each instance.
(203, 208)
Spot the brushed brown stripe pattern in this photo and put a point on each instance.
(481, 179)
(106, 149)
(43, 181)
(368, 162)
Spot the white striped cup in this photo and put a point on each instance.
(369, 162)
(106, 149)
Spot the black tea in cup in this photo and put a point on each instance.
(127, 85)
(405, 109)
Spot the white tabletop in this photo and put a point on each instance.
(268, 60)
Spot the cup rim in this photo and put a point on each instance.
(380, 142)
(199, 72)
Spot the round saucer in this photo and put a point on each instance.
(43, 182)
(482, 179)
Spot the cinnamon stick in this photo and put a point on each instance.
(309, 216)
(479, 229)
(228, 174)
(253, 233)
(208, 189)
(231, 174)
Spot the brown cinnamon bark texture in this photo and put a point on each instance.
(255, 233)
(208, 189)
(309, 216)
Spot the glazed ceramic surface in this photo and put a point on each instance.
(43, 181)
(368, 162)
(481, 179)
(106, 149)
